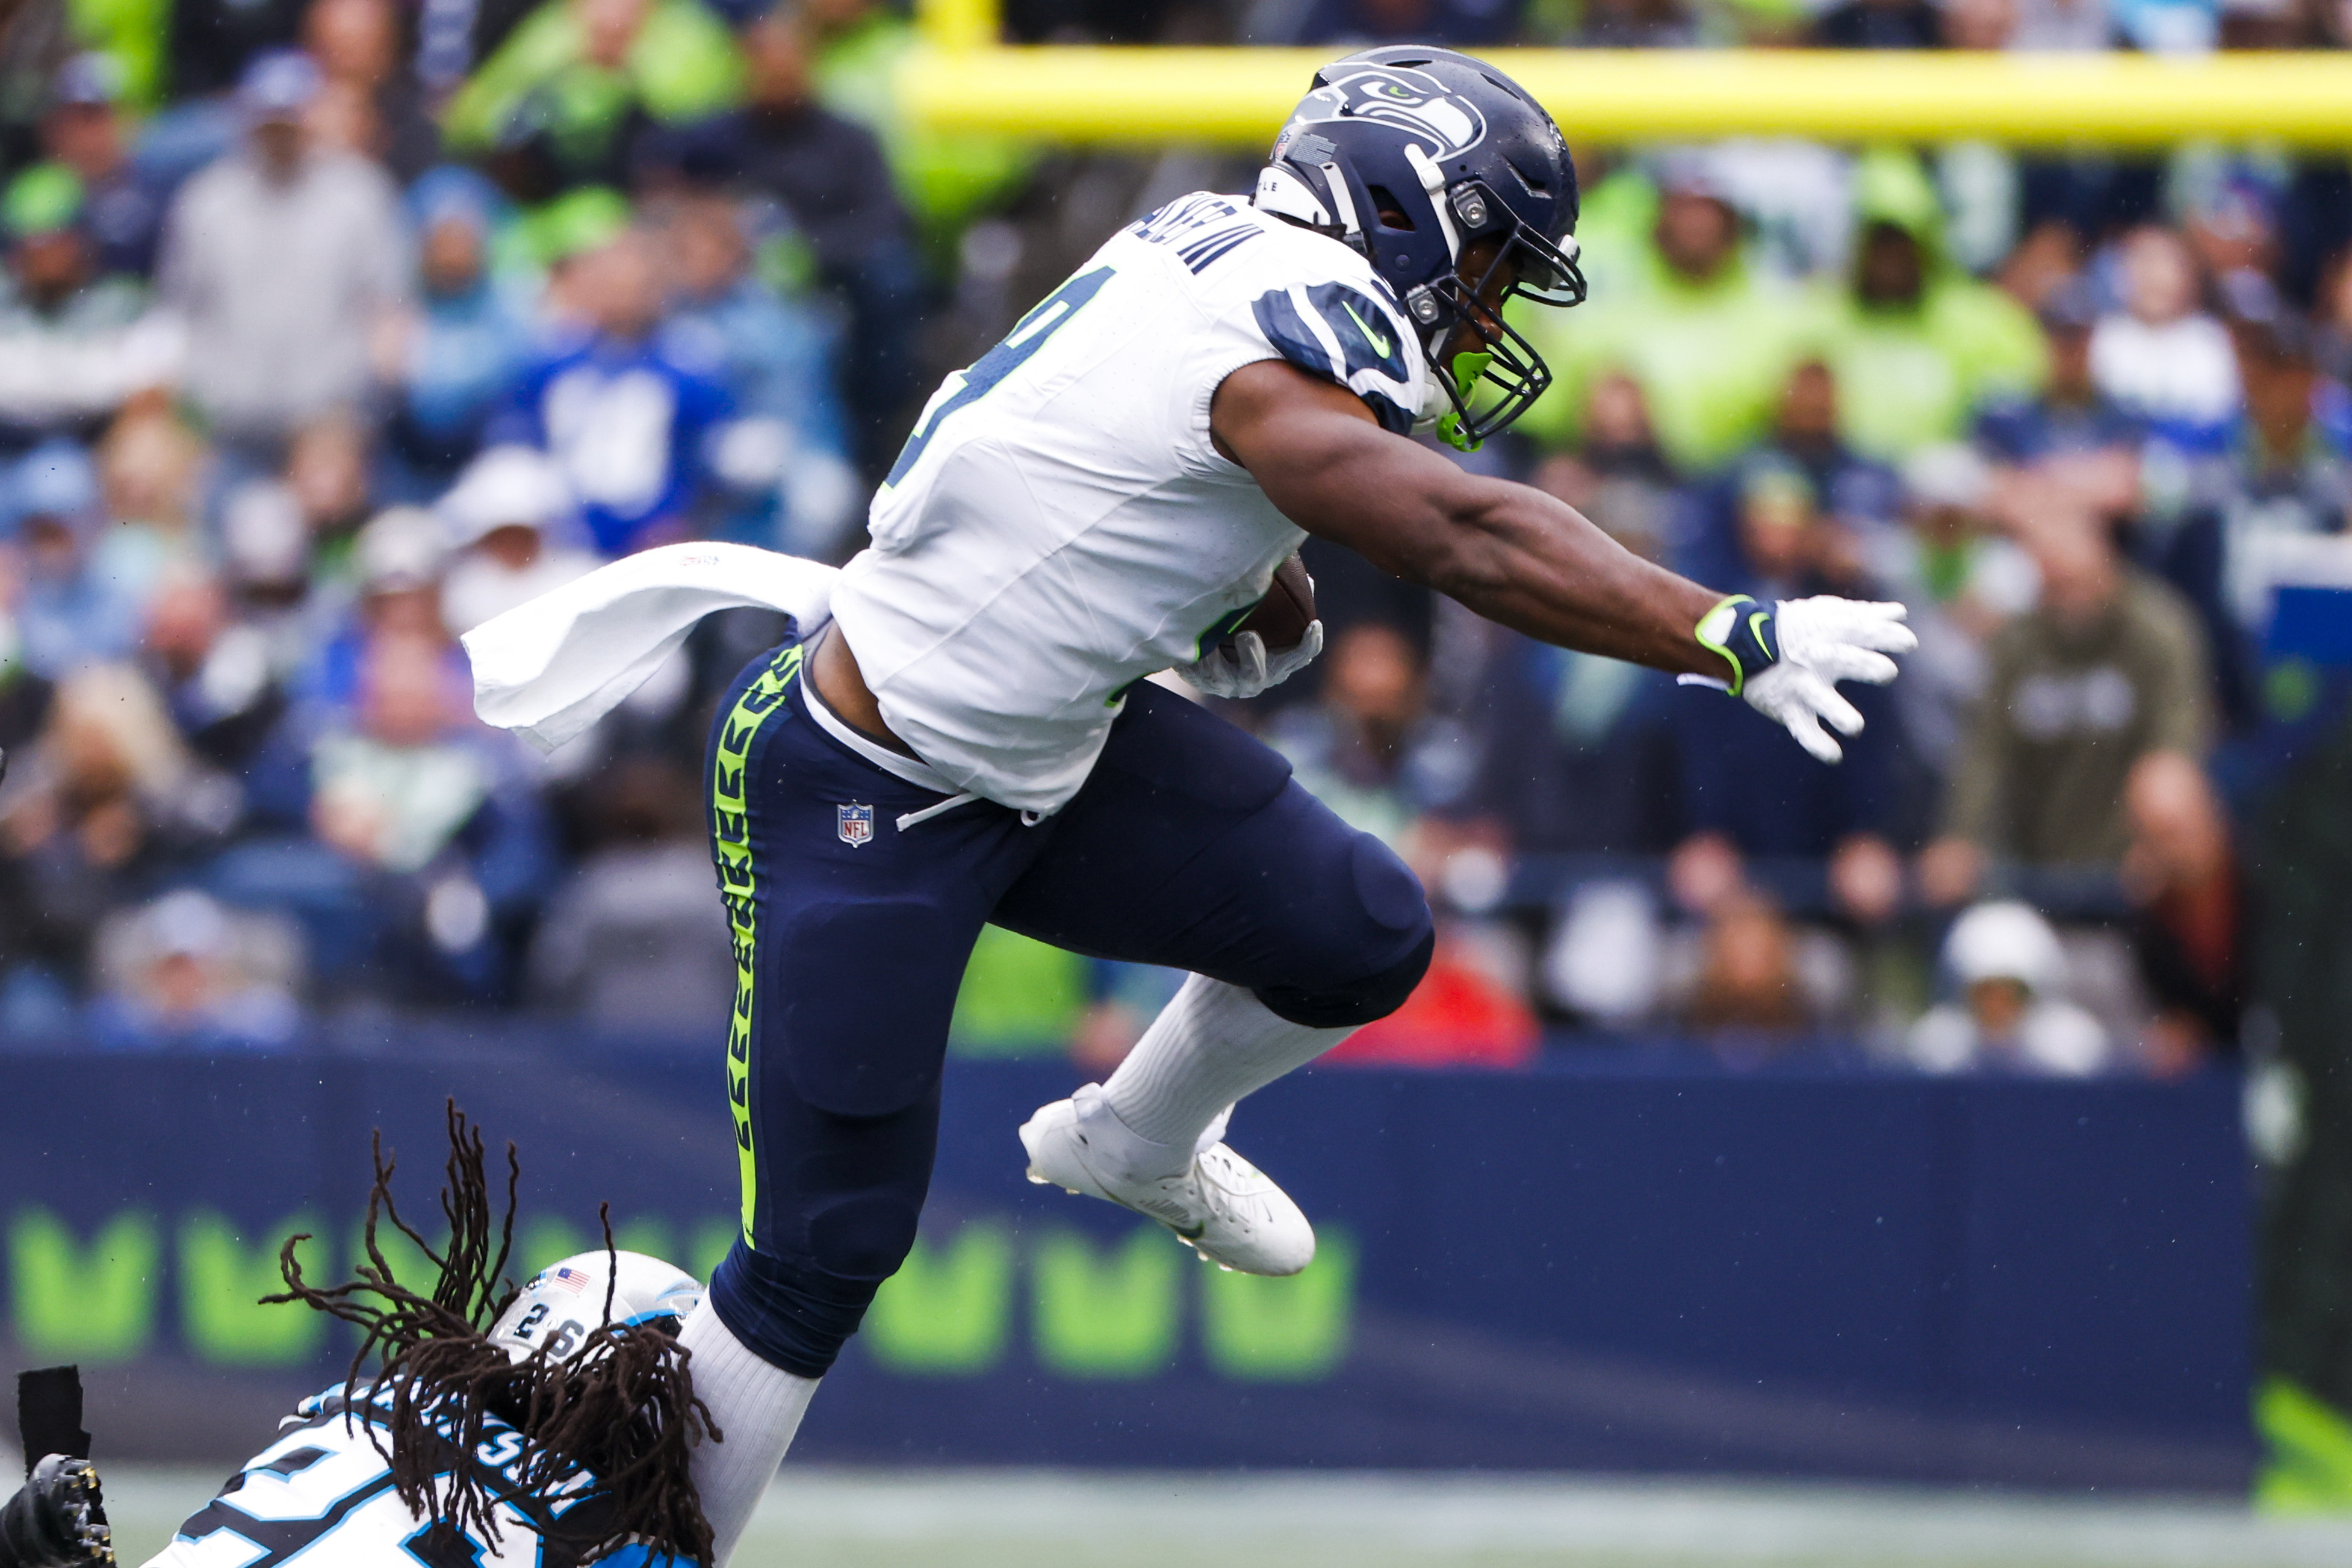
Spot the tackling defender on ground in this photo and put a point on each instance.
(549, 1425)
(970, 739)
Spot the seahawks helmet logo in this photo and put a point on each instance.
(1408, 99)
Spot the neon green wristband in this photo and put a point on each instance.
(1748, 642)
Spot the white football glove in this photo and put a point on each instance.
(1239, 665)
(1822, 640)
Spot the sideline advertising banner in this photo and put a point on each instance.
(1788, 1273)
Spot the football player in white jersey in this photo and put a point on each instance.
(972, 737)
(548, 1427)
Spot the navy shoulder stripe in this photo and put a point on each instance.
(1213, 247)
(1278, 318)
(1366, 336)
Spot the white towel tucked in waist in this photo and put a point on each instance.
(551, 668)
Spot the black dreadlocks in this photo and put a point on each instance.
(621, 1406)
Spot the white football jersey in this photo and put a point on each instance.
(323, 1492)
(1060, 526)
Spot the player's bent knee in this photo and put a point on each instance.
(865, 1236)
(1359, 1002)
(1389, 939)
(789, 1312)
(1391, 894)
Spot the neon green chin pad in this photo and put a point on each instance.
(1467, 368)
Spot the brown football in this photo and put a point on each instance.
(1283, 616)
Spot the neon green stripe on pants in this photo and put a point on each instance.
(739, 886)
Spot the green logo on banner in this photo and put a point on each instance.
(1288, 1331)
(1114, 1309)
(87, 1301)
(1109, 1313)
(946, 1311)
(223, 1278)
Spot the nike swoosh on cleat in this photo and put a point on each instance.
(1198, 1231)
(1379, 341)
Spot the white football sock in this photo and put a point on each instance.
(1212, 1044)
(757, 1404)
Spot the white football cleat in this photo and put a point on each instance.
(1221, 1207)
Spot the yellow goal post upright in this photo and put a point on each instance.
(961, 79)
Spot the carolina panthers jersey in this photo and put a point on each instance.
(322, 1492)
(1060, 526)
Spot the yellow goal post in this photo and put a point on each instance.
(958, 79)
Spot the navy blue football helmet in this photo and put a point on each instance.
(1413, 156)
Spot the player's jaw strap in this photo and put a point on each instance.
(1741, 631)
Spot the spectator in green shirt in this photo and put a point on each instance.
(2106, 672)
(1917, 346)
(578, 76)
(1708, 338)
(944, 178)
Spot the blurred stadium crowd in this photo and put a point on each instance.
(333, 328)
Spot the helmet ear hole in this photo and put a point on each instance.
(1391, 212)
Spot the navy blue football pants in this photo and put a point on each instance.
(1189, 846)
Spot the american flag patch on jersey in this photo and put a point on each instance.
(573, 1280)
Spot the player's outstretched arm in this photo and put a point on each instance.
(1533, 563)
(1510, 552)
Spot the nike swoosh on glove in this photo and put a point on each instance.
(1825, 640)
(1239, 667)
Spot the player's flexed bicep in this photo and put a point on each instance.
(1519, 557)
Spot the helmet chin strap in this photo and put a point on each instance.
(1423, 304)
(1432, 179)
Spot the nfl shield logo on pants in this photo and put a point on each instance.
(855, 824)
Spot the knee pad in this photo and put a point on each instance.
(788, 1313)
(1375, 996)
(863, 1236)
(1392, 927)
(836, 1205)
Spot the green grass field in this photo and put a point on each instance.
(1028, 1519)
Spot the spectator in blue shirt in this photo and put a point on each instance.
(1746, 794)
(841, 209)
(785, 457)
(1745, 791)
(1578, 750)
(84, 130)
(628, 421)
(457, 356)
(451, 846)
(1577, 753)
(81, 602)
(2073, 415)
(775, 358)
(1853, 499)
